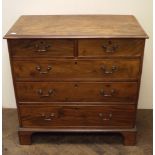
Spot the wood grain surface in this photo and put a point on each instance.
(75, 70)
(79, 116)
(76, 91)
(42, 48)
(76, 26)
(110, 47)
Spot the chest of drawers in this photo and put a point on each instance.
(76, 73)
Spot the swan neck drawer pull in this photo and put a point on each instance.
(111, 71)
(105, 118)
(103, 93)
(38, 68)
(48, 117)
(41, 93)
(110, 47)
(41, 47)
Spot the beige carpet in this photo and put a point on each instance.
(77, 144)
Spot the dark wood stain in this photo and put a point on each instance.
(42, 48)
(85, 116)
(76, 92)
(77, 69)
(110, 47)
(76, 73)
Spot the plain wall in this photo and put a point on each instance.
(142, 9)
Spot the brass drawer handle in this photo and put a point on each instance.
(41, 47)
(38, 68)
(101, 115)
(48, 117)
(105, 71)
(112, 92)
(110, 47)
(41, 94)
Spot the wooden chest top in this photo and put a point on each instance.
(76, 26)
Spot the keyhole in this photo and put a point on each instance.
(76, 85)
(75, 62)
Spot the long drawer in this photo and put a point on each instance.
(42, 48)
(110, 47)
(103, 69)
(76, 91)
(108, 116)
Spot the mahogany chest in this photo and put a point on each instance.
(76, 73)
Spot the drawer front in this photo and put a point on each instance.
(76, 91)
(106, 69)
(74, 116)
(42, 48)
(111, 47)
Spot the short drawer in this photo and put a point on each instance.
(78, 116)
(76, 91)
(111, 47)
(96, 70)
(42, 47)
